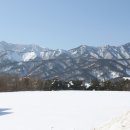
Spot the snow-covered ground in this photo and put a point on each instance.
(60, 110)
(118, 123)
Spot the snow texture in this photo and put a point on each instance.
(128, 71)
(119, 123)
(126, 78)
(29, 56)
(62, 110)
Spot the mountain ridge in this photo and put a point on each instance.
(83, 62)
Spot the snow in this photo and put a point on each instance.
(128, 71)
(29, 56)
(60, 110)
(125, 78)
(71, 83)
(118, 123)
(14, 56)
(20, 51)
(114, 74)
(94, 55)
(124, 53)
(87, 85)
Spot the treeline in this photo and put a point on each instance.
(14, 83)
(110, 85)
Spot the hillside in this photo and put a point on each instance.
(84, 62)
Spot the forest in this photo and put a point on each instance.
(10, 83)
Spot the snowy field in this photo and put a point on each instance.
(119, 123)
(60, 110)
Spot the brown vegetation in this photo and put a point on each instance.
(9, 83)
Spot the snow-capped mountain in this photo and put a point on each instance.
(106, 52)
(83, 62)
(20, 53)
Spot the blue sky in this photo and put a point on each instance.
(65, 24)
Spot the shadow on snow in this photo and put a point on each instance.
(5, 111)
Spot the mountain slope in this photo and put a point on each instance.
(83, 62)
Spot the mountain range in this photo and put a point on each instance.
(82, 63)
